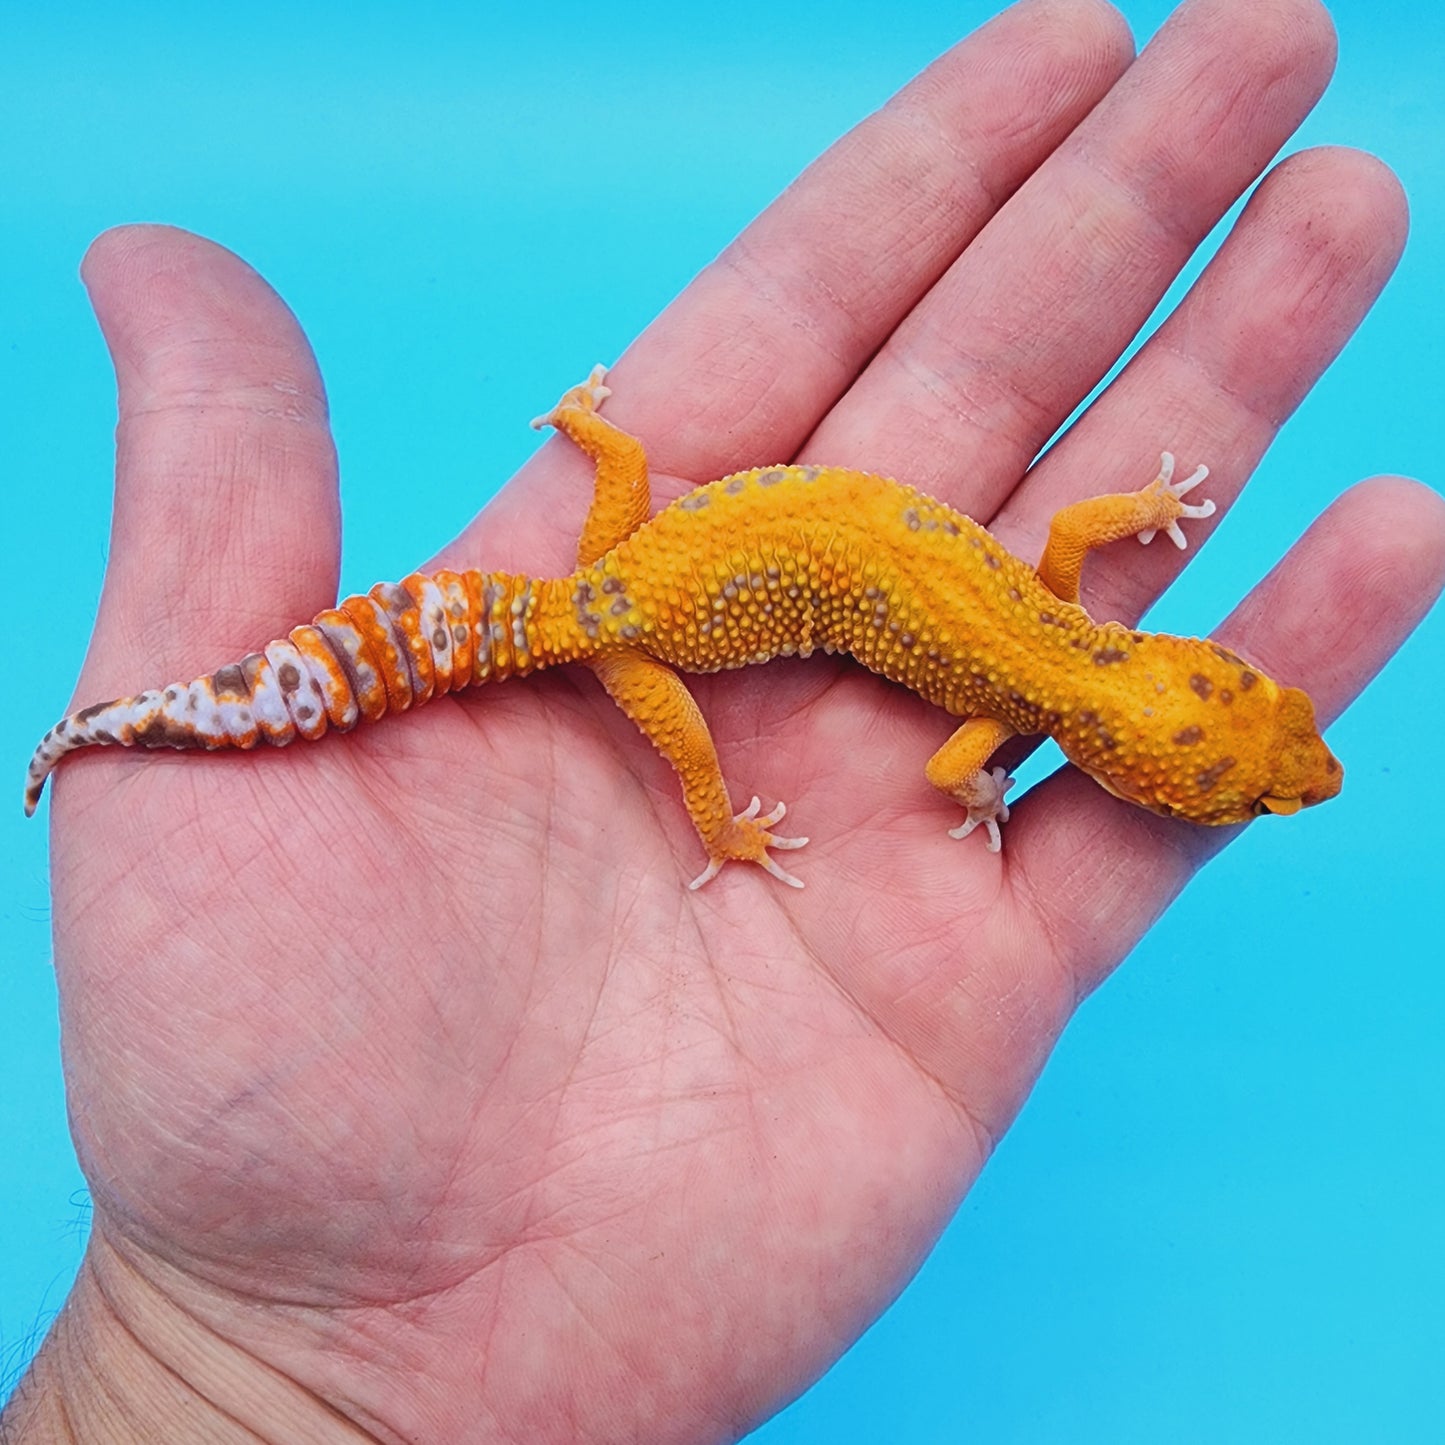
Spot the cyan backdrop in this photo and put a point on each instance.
(1219, 1216)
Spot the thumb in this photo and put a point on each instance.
(226, 529)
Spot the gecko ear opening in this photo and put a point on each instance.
(1285, 807)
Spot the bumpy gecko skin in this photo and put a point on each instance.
(776, 562)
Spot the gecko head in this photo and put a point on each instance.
(1303, 771)
(1249, 746)
(1259, 753)
(1219, 742)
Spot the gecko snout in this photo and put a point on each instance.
(1306, 772)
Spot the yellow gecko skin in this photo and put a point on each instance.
(776, 562)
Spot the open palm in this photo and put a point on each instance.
(405, 1064)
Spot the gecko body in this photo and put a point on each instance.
(781, 561)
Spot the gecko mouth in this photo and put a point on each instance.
(1270, 803)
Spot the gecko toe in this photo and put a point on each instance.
(987, 808)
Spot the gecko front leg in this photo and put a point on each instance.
(959, 769)
(1077, 529)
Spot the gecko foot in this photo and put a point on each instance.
(1165, 484)
(586, 397)
(748, 840)
(987, 807)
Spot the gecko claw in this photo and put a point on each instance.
(1165, 483)
(588, 397)
(749, 842)
(707, 874)
(989, 808)
(781, 873)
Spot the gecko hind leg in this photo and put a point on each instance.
(622, 498)
(657, 700)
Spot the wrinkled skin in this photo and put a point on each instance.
(404, 1062)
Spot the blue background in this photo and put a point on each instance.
(1220, 1214)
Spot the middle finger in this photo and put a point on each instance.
(1039, 307)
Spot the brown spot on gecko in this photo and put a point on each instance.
(1106, 655)
(1187, 737)
(1247, 679)
(1226, 696)
(734, 485)
(289, 676)
(394, 597)
(991, 562)
(396, 603)
(161, 732)
(1030, 710)
(439, 638)
(230, 679)
(1201, 685)
(1206, 780)
(343, 661)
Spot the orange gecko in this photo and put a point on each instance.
(777, 562)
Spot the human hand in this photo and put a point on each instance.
(403, 1066)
